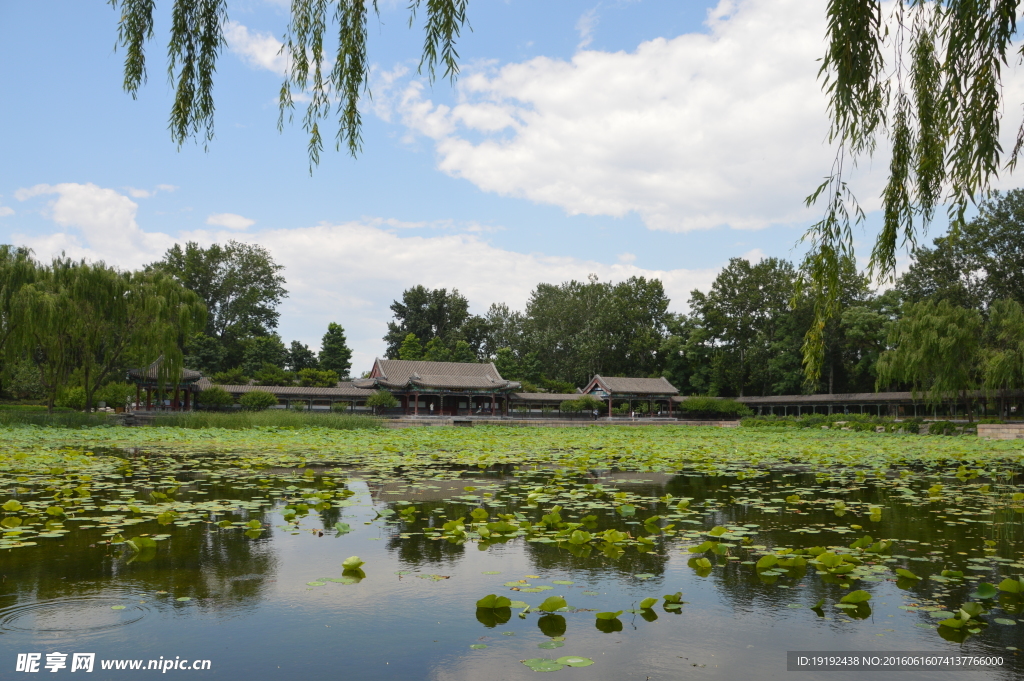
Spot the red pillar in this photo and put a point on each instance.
(138, 396)
(149, 399)
(670, 406)
(416, 404)
(174, 405)
(609, 406)
(492, 404)
(187, 406)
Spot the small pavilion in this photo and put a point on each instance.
(653, 391)
(150, 380)
(441, 388)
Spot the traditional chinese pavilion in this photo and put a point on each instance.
(180, 392)
(442, 388)
(656, 392)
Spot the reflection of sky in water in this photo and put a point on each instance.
(253, 614)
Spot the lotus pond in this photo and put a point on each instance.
(448, 553)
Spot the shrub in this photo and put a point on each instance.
(714, 406)
(72, 398)
(341, 406)
(382, 399)
(272, 418)
(570, 407)
(257, 400)
(942, 428)
(215, 397)
(115, 394)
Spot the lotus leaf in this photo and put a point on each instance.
(552, 603)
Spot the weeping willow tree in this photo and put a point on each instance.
(1003, 363)
(141, 314)
(84, 319)
(926, 81)
(935, 349)
(325, 43)
(16, 270)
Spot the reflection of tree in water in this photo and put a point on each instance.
(418, 550)
(200, 561)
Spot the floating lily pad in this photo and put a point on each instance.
(539, 664)
(117, 607)
(574, 661)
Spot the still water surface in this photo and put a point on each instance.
(244, 600)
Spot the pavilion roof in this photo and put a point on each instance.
(546, 397)
(342, 389)
(616, 385)
(152, 373)
(397, 374)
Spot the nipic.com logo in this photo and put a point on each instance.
(86, 662)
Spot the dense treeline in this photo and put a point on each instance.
(69, 331)
(952, 322)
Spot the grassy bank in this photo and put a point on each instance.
(271, 418)
(60, 418)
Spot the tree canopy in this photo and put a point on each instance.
(928, 82)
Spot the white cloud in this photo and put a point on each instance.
(585, 27)
(348, 273)
(755, 256)
(257, 49)
(105, 222)
(726, 127)
(5, 211)
(137, 193)
(229, 221)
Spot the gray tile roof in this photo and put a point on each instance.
(344, 389)
(545, 397)
(152, 373)
(407, 375)
(635, 386)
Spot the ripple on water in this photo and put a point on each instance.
(74, 614)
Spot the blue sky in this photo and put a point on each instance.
(616, 137)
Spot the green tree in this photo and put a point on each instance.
(335, 355)
(462, 353)
(939, 102)
(411, 348)
(433, 313)
(1003, 363)
(88, 318)
(506, 364)
(301, 357)
(240, 284)
(315, 378)
(504, 330)
(737, 324)
(935, 350)
(205, 354)
(979, 263)
(270, 374)
(17, 269)
(435, 351)
(261, 350)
